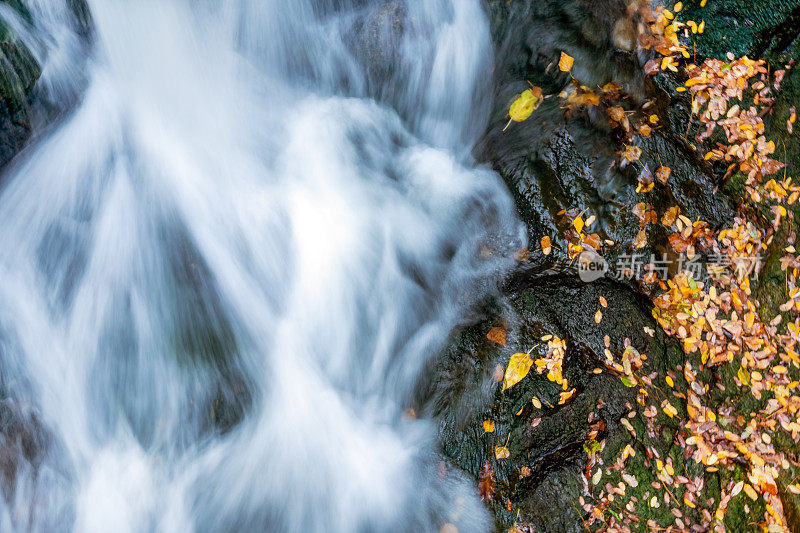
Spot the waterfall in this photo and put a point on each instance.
(227, 264)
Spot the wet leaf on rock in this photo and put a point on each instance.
(487, 482)
(497, 335)
(518, 367)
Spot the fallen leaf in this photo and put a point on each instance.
(497, 335)
(525, 104)
(640, 241)
(488, 426)
(501, 452)
(565, 396)
(565, 62)
(750, 491)
(546, 245)
(486, 481)
(497, 374)
(744, 376)
(663, 173)
(518, 367)
(579, 224)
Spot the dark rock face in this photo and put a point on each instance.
(549, 441)
(22, 109)
(556, 161)
(19, 72)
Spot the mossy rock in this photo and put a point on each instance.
(549, 440)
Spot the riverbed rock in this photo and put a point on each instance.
(19, 72)
(553, 163)
(548, 438)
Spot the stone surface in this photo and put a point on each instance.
(553, 163)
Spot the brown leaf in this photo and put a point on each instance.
(497, 335)
(663, 173)
(487, 482)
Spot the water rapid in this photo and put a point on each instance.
(225, 265)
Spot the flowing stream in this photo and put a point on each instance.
(225, 266)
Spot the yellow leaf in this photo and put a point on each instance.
(488, 426)
(578, 223)
(518, 367)
(536, 403)
(565, 62)
(501, 452)
(750, 491)
(670, 382)
(525, 104)
(744, 376)
(598, 316)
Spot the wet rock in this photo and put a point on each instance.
(549, 441)
(375, 39)
(555, 162)
(22, 107)
(19, 72)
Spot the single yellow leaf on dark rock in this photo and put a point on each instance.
(488, 426)
(525, 104)
(518, 367)
(578, 223)
(565, 62)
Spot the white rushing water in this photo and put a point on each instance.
(225, 269)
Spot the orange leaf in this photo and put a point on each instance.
(497, 335)
(565, 62)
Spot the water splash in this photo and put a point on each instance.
(225, 271)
